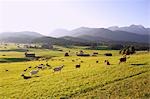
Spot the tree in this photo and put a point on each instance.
(127, 50)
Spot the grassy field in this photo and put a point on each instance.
(91, 81)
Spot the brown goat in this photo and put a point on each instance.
(107, 62)
(123, 59)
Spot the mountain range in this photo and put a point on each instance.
(132, 33)
(138, 29)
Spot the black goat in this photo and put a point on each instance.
(6, 70)
(25, 70)
(78, 66)
(47, 65)
(26, 77)
(96, 61)
(29, 67)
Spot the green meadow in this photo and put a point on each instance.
(130, 80)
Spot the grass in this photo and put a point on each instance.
(91, 81)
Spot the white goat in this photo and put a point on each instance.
(58, 68)
(33, 72)
(41, 67)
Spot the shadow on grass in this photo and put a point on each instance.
(5, 60)
(139, 64)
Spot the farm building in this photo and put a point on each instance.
(82, 54)
(30, 46)
(95, 52)
(108, 54)
(29, 54)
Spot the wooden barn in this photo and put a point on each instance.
(82, 54)
(29, 54)
(108, 54)
(95, 52)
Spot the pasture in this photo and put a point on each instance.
(93, 80)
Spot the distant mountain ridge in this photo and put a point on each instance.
(138, 29)
(133, 33)
(82, 35)
(106, 34)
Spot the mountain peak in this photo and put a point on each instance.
(136, 26)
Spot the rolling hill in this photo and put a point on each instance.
(19, 37)
(61, 41)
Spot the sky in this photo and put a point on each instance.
(44, 16)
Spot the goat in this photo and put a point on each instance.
(58, 68)
(41, 67)
(73, 60)
(26, 77)
(33, 72)
(35, 66)
(25, 70)
(107, 62)
(78, 66)
(96, 61)
(47, 65)
(6, 70)
(29, 67)
(123, 59)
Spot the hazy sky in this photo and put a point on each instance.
(46, 15)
